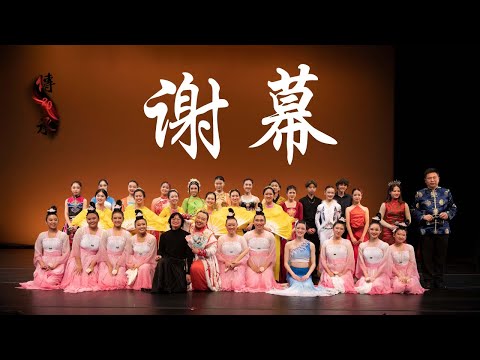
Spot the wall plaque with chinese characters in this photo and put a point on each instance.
(49, 122)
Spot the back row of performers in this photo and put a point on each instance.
(114, 259)
(319, 215)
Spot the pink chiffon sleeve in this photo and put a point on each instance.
(128, 251)
(103, 255)
(98, 256)
(247, 236)
(219, 253)
(128, 240)
(360, 262)
(412, 269)
(385, 266)
(323, 264)
(77, 238)
(272, 256)
(65, 248)
(350, 264)
(38, 253)
(244, 244)
(392, 262)
(150, 257)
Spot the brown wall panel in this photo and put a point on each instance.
(100, 92)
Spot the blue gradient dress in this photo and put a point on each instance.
(302, 288)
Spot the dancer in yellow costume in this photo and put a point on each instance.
(104, 213)
(170, 209)
(244, 217)
(153, 221)
(278, 222)
(210, 203)
(277, 198)
(223, 199)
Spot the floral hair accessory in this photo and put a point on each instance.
(193, 181)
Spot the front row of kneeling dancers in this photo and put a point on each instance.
(114, 259)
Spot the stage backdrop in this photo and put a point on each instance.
(100, 92)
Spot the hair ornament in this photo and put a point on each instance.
(394, 183)
(193, 181)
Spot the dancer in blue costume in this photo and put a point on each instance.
(300, 263)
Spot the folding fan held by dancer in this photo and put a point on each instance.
(104, 222)
(154, 222)
(278, 222)
(217, 221)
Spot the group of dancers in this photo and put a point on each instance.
(228, 242)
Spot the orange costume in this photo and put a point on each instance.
(357, 223)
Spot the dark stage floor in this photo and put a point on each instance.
(463, 297)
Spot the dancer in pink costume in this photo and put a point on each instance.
(52, 249)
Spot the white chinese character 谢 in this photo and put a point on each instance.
(189, 120)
